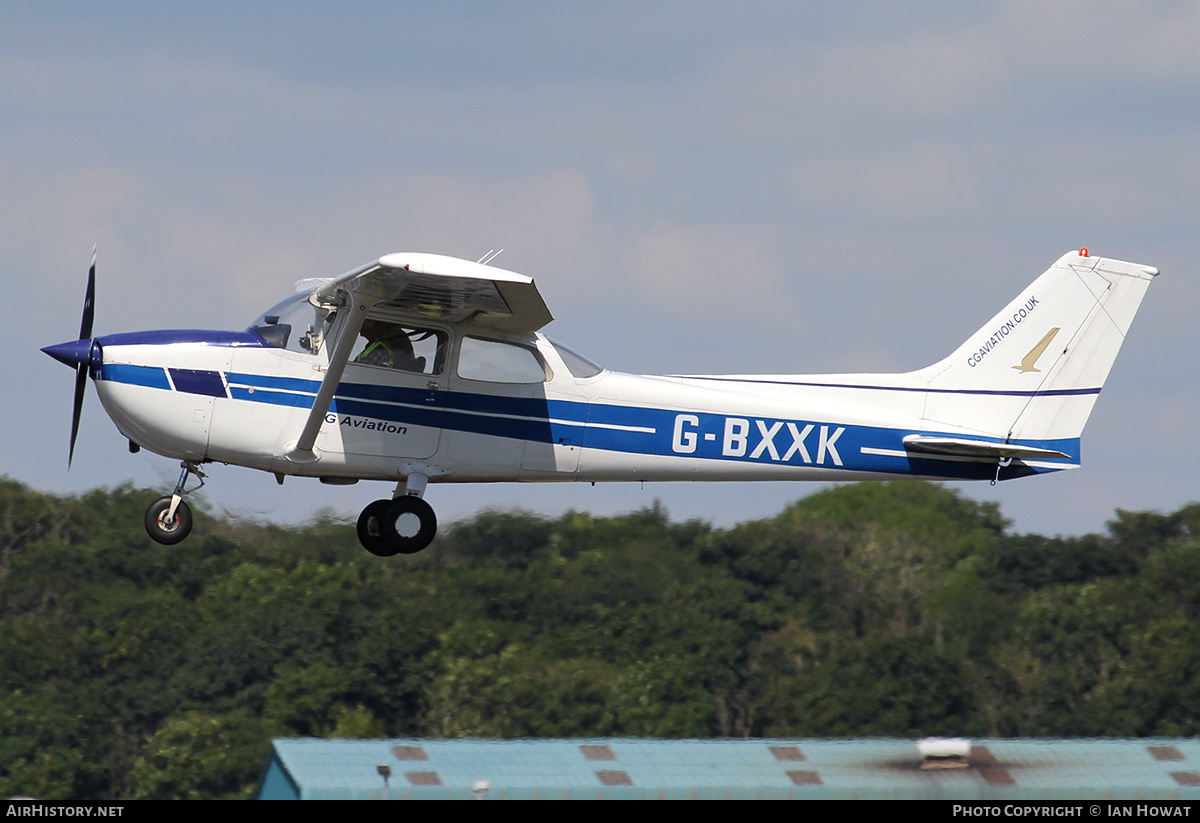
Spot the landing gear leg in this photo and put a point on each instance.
(406, 524)
(169, 519)
(1004, 463)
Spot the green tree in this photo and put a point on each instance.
(202, 756)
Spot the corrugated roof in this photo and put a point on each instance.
(616, 768)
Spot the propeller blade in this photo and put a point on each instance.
(81, 375)
(89, 302)
(83, 364)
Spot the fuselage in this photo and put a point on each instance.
(235, 398)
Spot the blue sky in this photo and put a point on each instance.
(697, 187)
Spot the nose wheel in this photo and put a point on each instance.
(404, 525)
(169, 520)
(165, 526)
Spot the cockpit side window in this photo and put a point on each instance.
(399, 346)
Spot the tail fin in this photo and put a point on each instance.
(1033, 372)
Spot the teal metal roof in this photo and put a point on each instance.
(997, 770)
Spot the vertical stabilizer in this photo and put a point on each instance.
(1033, 372)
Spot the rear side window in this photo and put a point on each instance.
(580, 366)
(492, 361)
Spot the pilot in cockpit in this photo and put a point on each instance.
(388, 345)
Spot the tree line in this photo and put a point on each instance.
(878, 609)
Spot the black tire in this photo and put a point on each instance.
(370, 530)
(160, 530)
(400, 530)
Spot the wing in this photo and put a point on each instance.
(445, 289)
(423, 285)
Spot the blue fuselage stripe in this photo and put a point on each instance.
(978, 392)
(607, 427)
(198, 381)
(153, 377)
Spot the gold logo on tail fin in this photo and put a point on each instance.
(1028, 361)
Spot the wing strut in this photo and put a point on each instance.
(302, 450)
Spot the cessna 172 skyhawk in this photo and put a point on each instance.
(419, 368)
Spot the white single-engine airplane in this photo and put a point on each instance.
(419, 368)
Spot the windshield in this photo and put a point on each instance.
(294, 324)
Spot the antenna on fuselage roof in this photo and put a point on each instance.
(489, 257)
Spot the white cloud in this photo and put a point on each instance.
(710, 271)
(920, 183)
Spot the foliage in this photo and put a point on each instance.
(131, 670)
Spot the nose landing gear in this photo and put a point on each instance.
(169, 520)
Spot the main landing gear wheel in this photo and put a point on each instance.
(369, 532)
(405, 525)
(168, 532)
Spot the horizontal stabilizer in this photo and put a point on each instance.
(981, 450)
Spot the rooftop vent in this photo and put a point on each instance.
(944, 752)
